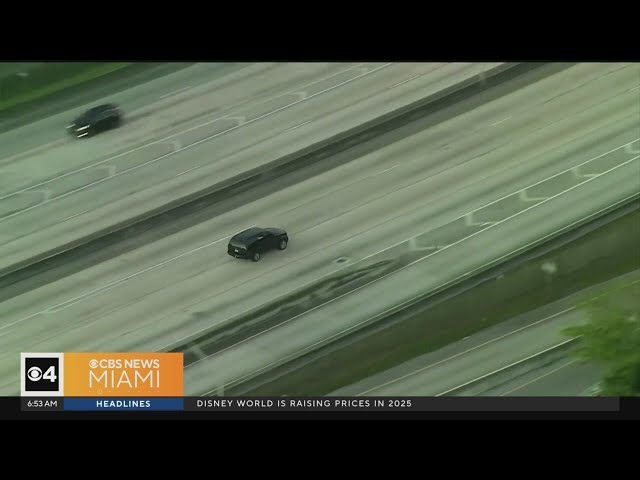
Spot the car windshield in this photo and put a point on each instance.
(237, 244)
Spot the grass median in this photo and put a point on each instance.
(37, 82)
(603, 254)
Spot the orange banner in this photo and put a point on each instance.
(123, 374)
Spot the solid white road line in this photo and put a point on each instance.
(404, 81)
(74, 215)
(168, 138)
(511, 365)
(500, 121)
(368, 256)
(386, 170)
(297, 126)
(457, 355)
(539, 378)
(206, 139)
(187, 171)
(175, 92)
(73, 301)
(337, 335)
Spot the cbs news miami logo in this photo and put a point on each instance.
(102, 374)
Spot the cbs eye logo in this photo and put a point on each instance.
(35, 374)
(41, 374)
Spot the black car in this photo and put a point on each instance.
(95, 120)
(252, 243)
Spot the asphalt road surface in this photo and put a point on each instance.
(525, 356)
(564, 377)
(51, 128)
(196, 143)
(553, 150)
(109, 86)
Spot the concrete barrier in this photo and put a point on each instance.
(301, 158)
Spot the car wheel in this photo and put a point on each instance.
(256, 257)
(283, 244)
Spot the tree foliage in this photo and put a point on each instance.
(611, 338)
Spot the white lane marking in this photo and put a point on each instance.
(84, 187)
(392, 273)
(174, 93)
(558, 174)
(376, 253)
(62, 140)
(404, 81)
(454, 220)
(324, 79)
(386, 170)
(468, 220)
(297, 126)
(500, 121)
(539, 378)
(110, 285)
(165, 139)
(501, 369)
(416, 247)
(48, 310)
(522, 195)
(465, 352)
(187, 171)
(592, 391)
(74, 215)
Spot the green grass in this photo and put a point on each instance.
(10, 68)
(592, 259)
(46, 79)
(618, 293)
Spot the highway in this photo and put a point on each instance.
(51, 128)
(524, 356)
(195, 143)
(462, 368)
(570, 137)
(564, 377)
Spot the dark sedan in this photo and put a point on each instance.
(96, 120)
(252, 243)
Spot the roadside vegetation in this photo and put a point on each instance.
(36, 81)
(611, 338)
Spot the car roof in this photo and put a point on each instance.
(95, 110)
(248, 234)
(104, 106)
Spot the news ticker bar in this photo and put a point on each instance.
(333, 404)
